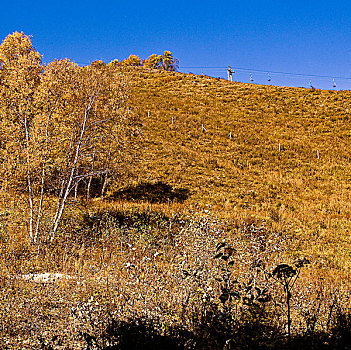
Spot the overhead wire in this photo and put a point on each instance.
(251, 70)
(268, 72)
(217, 70)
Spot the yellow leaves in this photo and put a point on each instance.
(59, 121)
(113, 63)
(20, 75)
(15, 47)
(165, 61)
(131, 61)
(153, 62)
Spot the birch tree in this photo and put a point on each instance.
(20, 70)
(61, 124)
(88, 108)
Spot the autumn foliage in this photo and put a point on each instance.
(164, 62)
(142, 208)
(61, 126)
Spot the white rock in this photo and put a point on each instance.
(46, 277)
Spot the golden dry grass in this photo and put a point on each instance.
(247, 175)
(127, 256)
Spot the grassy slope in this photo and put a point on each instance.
(306, 198)
(247, 175)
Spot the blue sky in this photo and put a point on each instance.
(309, 37)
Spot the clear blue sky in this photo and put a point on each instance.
(311, 37)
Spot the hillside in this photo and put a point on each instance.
(248, 175)
(223, 205)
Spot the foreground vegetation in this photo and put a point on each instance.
(219, 226)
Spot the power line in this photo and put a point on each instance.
(266, 72)
(260, 71)
(274, 72)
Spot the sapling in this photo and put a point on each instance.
(246, 290)
(287, 275)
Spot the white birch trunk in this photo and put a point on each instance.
(91, 176)
(30, 190)
(104, 185)
(58, 207)
(76, 191)
(40, 205)
(69, 187)
(42, 181)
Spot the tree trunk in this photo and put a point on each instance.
(30, 189)
(90, 177)
(42, 181)
(76, 191)
(40, 204)
(104, 185)
(88, 186)
(70, 179)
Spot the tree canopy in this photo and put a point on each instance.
(162, 62)
(61, 125)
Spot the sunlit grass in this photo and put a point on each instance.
(125, 258)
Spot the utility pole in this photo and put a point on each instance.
(230, 73)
